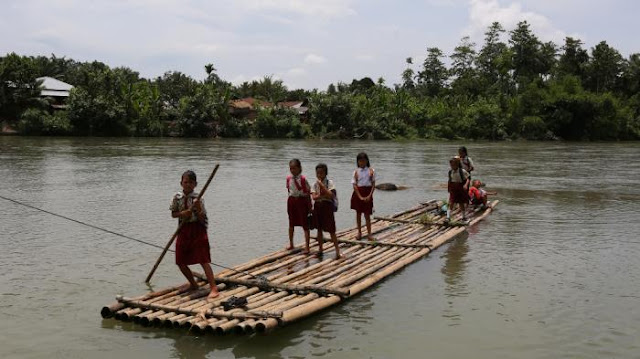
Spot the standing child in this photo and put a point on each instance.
(299, 202)
(465, 161)
(323, 194)
(364, 184)
(458, 187)
(192, 245)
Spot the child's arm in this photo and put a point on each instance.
(373, 185)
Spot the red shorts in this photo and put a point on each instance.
(298, 209)
(323, 216)
(359, 205)
(192, 245)
(457, 193)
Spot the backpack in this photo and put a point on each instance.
(303, 179)
(462, 178)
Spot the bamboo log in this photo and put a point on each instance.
(270, 286)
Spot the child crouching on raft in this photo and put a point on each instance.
(192, 244)
(477, 195)
(298, 202)
(323, 194)
(458, 187)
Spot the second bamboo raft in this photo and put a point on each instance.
(285, 286)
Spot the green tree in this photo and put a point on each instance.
(605, 68)
(434, 75)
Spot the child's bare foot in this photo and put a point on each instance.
(359, 236)
(320, 254)
(306, 251)
(370, 238)
(289, 247)
(214, 293)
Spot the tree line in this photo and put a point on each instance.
(513, 87)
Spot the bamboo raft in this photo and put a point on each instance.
(286, 285)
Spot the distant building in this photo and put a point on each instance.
(247, 107)
(301, 106)
(56, 90)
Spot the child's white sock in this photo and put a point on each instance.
(448, 214)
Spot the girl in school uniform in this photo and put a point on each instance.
(298, 202)
(465, 161)
(364, 184)
(323, 194)
(458, 187)
(192, 244)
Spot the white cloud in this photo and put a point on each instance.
(483, 13)
(296, 72)
(324, 8)
(313, 59)
(365, 57)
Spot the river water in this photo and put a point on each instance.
(552, 273)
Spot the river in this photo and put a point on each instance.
(554, 272)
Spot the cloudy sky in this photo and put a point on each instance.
(306, 43)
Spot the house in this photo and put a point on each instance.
(56, 90)
(247, 107)
(301, 106)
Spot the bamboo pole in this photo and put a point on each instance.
(166, 248)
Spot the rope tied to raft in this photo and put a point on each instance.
(260, 278)
(234, 302)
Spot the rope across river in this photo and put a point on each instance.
(261, 278)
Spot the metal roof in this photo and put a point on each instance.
(54, 87)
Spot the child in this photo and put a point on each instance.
(323, 193)
(465, 160)
(192, 245)
(477, 195)
(298, 203)
(364, 184)
(458, 187)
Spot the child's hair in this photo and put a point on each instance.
(323, 166)
(477, 183)
(455, 159)
(296, 162)
(363, 156)
(190, 174)
(463, 150)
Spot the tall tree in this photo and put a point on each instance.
(408, 75)
(605, 68)
(434, 75)
(527, 56)
(573, 59)
(463, 68)
(494, 61)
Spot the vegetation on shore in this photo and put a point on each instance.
(518, 88)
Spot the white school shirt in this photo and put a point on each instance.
(293, 189)
(364, 180)
(316, 188)
(455, 176)
(180, 203)
(466, 163)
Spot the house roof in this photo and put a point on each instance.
(54, 87)
(250, 102)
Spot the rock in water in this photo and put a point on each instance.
(387, 187)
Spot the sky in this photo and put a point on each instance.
(306, 44)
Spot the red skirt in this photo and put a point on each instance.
(359, 205)
(298, 209)
(323, 216)
(457, 193)
(192, 245)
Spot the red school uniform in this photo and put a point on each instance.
(323, 209)
(364, 179)
(192, 244)
(299, 201)
(457, 193)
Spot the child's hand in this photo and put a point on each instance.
(197, 206)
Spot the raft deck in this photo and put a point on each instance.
(286, 285)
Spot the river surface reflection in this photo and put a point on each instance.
(553, 273)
